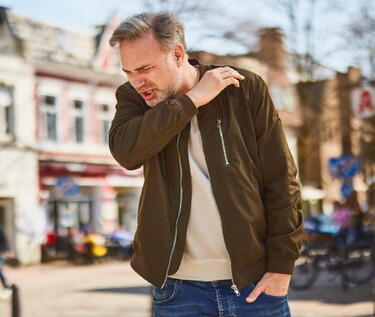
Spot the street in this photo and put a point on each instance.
(60, 289)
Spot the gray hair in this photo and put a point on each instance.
(167, 29)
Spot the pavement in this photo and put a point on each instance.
(112, 289)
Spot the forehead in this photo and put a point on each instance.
(140, 52)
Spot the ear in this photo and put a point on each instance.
(179, 54)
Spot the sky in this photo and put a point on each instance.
(84, 15)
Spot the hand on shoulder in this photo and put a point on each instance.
(212, 83)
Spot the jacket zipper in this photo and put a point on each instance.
(233, 286)
(222, 142)
(179, 210)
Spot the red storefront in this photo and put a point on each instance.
(86, 196)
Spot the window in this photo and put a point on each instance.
(49, 117)
(282, 97)
(6, 112)
(78, 121)
(104, 122)
(65, 42)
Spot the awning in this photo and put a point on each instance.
(312, 193)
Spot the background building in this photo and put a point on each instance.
(56, 104)
(330, 151)
(57, 101)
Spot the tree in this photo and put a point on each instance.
(311, 26)
(180, 8)
(361, 44)
(361, 39)
(204, 20)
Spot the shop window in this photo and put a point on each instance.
(76, 215)
(127, 210)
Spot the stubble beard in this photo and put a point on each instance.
(168, 93)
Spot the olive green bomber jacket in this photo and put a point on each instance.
(252, 174)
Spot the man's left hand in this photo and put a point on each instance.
(275, 284)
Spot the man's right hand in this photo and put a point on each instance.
(212, 83)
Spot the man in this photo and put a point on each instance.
(4, 253)
(219, 222)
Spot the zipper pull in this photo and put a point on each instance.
(235, 289)
(218, 123)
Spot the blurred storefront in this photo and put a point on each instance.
(336, 153)
(86, 198)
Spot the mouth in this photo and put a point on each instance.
(147, 94)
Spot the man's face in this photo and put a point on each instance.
(153, 72)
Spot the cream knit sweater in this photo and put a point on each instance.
(205, 257)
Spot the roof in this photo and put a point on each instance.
(48, 43)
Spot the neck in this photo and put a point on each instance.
(191, 78)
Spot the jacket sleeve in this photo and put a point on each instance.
(139, 132)
(281, 189)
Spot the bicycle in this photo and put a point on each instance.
(354, 262)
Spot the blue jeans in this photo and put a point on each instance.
(181, 298)
(2, 277)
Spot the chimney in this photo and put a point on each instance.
(272, 53)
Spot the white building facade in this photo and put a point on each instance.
(56, 104)
(18, 157)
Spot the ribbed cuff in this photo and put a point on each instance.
(188, 108)
(280, 265)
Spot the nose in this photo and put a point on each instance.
(136, 80)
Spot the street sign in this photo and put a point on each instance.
(66, 187)
(347, 188)
(363, 102)
(345, 166)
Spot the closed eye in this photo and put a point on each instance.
(146, 69)
(143, 69)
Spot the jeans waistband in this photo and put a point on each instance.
(203, 283)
